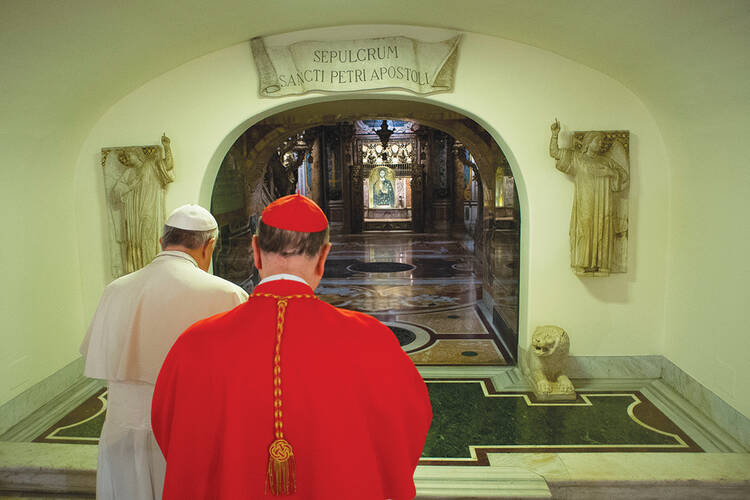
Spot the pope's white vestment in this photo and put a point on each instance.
(139, 317)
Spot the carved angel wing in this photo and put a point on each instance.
(619, 154)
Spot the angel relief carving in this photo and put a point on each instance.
(136, 179)
(600, 167)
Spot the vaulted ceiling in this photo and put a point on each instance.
(67, 62)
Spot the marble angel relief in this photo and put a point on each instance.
(599, 164)
(135, 182)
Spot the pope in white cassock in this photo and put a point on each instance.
(139, 317)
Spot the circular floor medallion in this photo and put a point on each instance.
(380, 267)
(411, 337)
(404, 336)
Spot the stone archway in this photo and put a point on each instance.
(469, 137)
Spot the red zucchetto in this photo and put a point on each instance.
(295, 213)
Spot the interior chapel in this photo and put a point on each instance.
(552, 230)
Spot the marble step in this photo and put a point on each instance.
(628, 475)
(21, 496)
(456, 482)
(57, 471)
(47, 470)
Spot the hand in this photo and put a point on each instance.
(165, 140)
(555, 127)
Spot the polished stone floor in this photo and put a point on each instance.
(472, 419)
(428, 285)
(424, 284)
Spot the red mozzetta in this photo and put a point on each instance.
(355, 409)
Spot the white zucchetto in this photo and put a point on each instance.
(192, 218)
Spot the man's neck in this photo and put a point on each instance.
(284, 276)
(195, 254)
(296, 265)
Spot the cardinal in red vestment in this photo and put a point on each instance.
(285, 394)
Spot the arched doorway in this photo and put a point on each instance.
(430, 191)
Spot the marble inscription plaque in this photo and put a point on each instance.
(351, 65)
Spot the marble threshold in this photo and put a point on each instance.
(46, 470)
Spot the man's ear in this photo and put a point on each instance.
(161, 243)
(256, 254)
(320, 265)
(208, 248)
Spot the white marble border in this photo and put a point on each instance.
(39, 394)
(445, 482)
(711, 405)
(615, 476)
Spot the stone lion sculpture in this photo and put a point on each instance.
(547, 357)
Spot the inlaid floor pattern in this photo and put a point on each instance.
(472, 419)
(424, 287)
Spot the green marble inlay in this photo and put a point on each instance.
(463, 417)
(90, 429)
(89, 426)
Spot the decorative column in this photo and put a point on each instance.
(437, 182)
(317, 173)
(424, 157)
(479, 236)
(417, 198)
(458, 189)
(330, 153)
(357, 211)
(346, 134)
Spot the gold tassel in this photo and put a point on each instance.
(281, 479)
(281, 476)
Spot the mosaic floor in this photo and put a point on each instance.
(472, 419)
(424, 287)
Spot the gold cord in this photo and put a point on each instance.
(281, 475)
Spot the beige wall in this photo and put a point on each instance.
(707, 296)
(40, 296)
